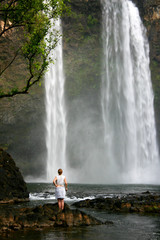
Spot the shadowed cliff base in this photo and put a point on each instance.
(12, 186)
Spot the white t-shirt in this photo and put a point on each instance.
(60, 180)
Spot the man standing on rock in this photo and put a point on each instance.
(59, 182)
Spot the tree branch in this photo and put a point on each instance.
(10, 27)
(13, 94)
(6, 14)
(28, 84)
(39, 76)
(16, 54)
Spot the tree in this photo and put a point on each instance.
(33, 19)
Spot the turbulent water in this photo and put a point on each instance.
(55, 111)
(127, 97)
(45, 192)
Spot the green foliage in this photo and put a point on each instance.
(14, 90)
(1, 92)
(4, 146)
(35, 19)
(155, 80)
(91, 20)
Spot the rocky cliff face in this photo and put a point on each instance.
(82, 48)
(22, 128)
(12, 186)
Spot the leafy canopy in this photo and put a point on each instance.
(35, 19)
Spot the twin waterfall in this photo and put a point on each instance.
(130, 153)
(55, 112)
(127, 98)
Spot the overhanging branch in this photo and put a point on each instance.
(10, 27)
(16, 54)
(29, 84)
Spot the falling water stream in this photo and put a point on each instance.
(127, 96)
(55, 111)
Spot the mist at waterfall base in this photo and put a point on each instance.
(114, 140)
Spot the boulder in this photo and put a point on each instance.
(12, 186)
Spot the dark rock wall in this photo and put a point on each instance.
(82, 48)
(12, 185)
(22, 131)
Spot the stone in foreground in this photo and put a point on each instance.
(44, 216)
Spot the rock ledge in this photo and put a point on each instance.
(44, 216)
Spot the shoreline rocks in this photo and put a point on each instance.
(130, 203)
(45, 216)
(13, 188)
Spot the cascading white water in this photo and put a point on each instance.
(55, 111)
(127, 98)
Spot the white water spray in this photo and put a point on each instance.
(127, 98)
(55, 111)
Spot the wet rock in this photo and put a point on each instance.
(44, 216)
(12, 186)
(147, 192)
(140, 203)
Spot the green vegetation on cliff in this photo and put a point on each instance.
(82, 48)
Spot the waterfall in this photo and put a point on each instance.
(126, 96)
(55, 111)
